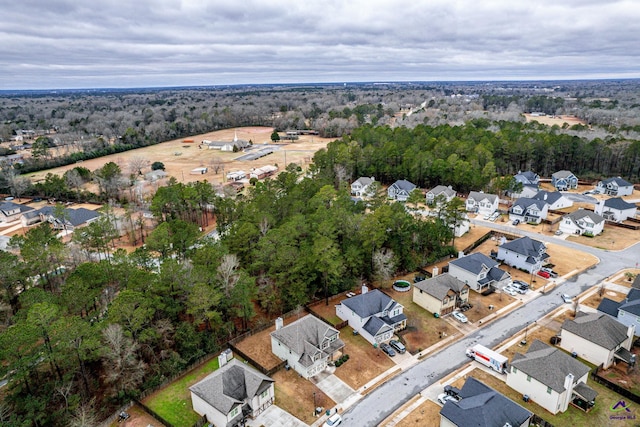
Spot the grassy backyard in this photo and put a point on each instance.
(173, 402)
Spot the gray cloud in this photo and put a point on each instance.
(110, 43)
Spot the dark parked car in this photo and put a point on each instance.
(398, 346)
(387, 349)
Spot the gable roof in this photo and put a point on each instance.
(231, 385)
(617, 181)
(479, 196)
(305, 336)
(525, 202)
(597, 328)
(548, 196)
(364, 181)
(439, 189)
(636, 282)
(549, 365)
(480, 405)
(369, 303)
(609, 306)
(6, 207)
(375, 326)
(474, 262)
(563, 174)
(582, 213)
(403, 184)
(526, 246)
(527, 177)
(74, 216)
(631, 306)
(439, 286)
(618, 203)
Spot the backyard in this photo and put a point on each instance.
(295, 395)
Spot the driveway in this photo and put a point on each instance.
(273, 416)
(332, 386)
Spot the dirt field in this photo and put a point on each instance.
(555, 120)
(180, 158)
(138, 418)
(295, 395)
(427, 414)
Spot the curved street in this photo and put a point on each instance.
(376, 406)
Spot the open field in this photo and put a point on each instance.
(180, 158)
(555, 120)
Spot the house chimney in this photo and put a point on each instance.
(365, 289)
(279, 323)
(460, 254)
(435, 271)
(568, 386)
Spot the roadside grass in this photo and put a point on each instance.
(173, 402)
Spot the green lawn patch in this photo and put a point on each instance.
(173, 402)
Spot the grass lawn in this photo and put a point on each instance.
(173, 402)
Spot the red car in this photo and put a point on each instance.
(544, 274)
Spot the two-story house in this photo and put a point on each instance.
(614, 187)
(10, 211)
(440, 192)
(530, 183)
(582, 221)
(554, 199)
(361, 187)
(400, 190)
(564, 180)
(524, 253)
(626, 311)
(479, 272)
(373, 314)
(597, 338)
(233, 393)
(441, 294)
(308, 344)
(482, 203)
(615, 209)
(528, 210)
(550, 377)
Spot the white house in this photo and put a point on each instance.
(482, 203)
(400, 190)
(597, 338)
(71, 218)
(480, 405)
(361, 187)
(581, 222)
(615, 209)
(235, 145)
(528, 210)
(10, 211)
(614, 187)
(626, 311)
(550, 377)
(373, 314)
(564, 180)
(523, 253)
(445, 193)
(232, 393)
(554, 199)
(440, 294)
(479, 272)
(308, 344)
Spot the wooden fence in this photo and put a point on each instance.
(107, 422)
(154, 414)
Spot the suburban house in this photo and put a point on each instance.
(480, 405)
(564, 180)
(373, 314)
(232, 393)
(581, 222)
(528, 210)
(614, 187)
(446, 194)
(308, 344)
(400, 190)
(459, 229)
(361, 187)
(479, 272)
(626, 311)
(551, 378)
(10, 211)
(529, 180)
(524, 253)
(554, 199)
(615, 209)
(440, 294)
(597, 338)
(71, 218)
(482, 203)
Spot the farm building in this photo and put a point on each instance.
(199, 171)
(263, 172)
(236, 175)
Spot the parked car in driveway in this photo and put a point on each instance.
(550, 271)
(543, 274)
(333, 421)
(444, 398)
(510, 290)
(398, 346)
(566, 298)
(460, 317)
(558, 233)
(387, 349)
(516, 222)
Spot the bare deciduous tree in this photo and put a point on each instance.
(227, 274)
(124, 371)
(383, 264)
(216, 164)
(84, 415)
(136, 164)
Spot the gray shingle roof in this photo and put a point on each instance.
(618, 203)
(618, 181)
(450, 192)
(632, 307)
(370, 303)
(525, 202)
(525, 246)
(305, 336)
(375, 326)
(586, 392)
(482, 406)
(562, 174)
(10, 206)
(597, 328)
(548, 196)
(478, 196)
(231, 385)
(528, 177)
(609, 306)
(439, 286)
(364, 181)
(549, 365)
(581, 213)
(405, 185)
(75, 217)
(474, 262)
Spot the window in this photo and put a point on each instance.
(234, 412)
(529, 378)
(445, 300)
(514, 369)
(549, 390)
(264, 394)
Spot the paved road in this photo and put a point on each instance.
(386, 399)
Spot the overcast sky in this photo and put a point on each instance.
(138, 43)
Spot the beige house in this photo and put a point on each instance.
(440, 294)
